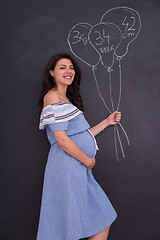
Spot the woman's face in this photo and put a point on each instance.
(63, 72)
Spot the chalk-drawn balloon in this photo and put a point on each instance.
(128, 20)
(80, 46)
(105, 38)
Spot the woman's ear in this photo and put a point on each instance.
(51, 72)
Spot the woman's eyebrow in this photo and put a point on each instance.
(65, 65)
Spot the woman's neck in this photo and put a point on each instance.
(61, 90)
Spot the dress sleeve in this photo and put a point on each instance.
(57, 116)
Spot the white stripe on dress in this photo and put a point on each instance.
(58, 112)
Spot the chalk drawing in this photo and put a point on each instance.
(129, 21)
(80, 45)
(105, 38)
(104, 43)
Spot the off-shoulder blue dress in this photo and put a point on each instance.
(73, 204)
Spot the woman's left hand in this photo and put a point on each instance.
(114, 118)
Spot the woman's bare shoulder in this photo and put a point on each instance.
(51, 97)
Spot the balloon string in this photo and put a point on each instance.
(110, 89)
(120, 142)
(124, 133)
(99, 90)
(115, 127)
(120, 83)
(110, 86)
(115, 143)
(120, 93)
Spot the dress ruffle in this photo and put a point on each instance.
(57, 113)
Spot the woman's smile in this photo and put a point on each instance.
(68, 77)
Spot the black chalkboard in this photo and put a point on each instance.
(127, 78)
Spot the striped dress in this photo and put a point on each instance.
(73, 204)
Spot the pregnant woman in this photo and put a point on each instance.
(73, 204)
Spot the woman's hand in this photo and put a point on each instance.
(114, 118)
(90, 163)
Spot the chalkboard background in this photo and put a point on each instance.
(31, 32)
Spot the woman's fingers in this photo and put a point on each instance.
(117, 116)
(92, 164)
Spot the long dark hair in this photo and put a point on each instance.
(73, 90)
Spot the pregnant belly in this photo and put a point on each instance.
(86, 142)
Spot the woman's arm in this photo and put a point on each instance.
(69, 146)
(112, 119)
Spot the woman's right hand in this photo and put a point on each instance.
(90, 163)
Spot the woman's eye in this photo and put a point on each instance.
(72, 68)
